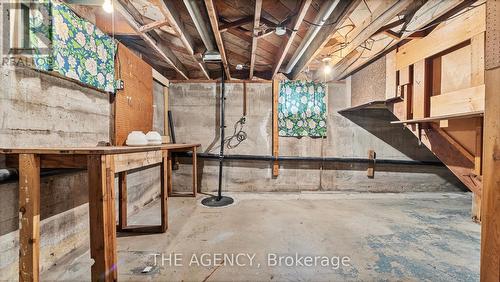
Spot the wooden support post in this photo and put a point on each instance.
(122, 203)
(371, 165)
(102, 217)
(490, 205)
(164, 179)
(29, 217)
(195, 172)
(276, 90)
(169, 173)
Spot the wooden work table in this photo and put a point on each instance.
(102, 163)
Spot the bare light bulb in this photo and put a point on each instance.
(327, 69)
(107, 6)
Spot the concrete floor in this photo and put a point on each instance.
(411, 236)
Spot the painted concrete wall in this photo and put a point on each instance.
(196, 119)
(37, 109)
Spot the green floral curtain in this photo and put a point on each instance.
(302, 109)
(79, 50)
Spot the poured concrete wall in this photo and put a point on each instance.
(41, 110)
(195, 111)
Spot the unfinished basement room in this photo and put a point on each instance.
(250, 140)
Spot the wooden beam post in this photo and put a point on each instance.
(29, 217)
(102, 217)
(256, 23)
(122, 201)
(276, 90)
(490, 205)
(195, 171)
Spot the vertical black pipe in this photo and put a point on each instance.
(171, 127)
(222, 135)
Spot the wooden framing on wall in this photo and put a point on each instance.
(490, 204)
(276, 89)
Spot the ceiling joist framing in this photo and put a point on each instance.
(304, 6)
(384, 13)
(173, 18)
(214, 22)
(135, 20)
(420, 19)
(256, 23)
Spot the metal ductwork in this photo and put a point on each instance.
(322, 16)
(198, 14)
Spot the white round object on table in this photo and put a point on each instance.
(136, 138)
(154, 138)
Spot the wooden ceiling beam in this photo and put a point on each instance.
(134, 19)
(157, 24)
(237, 23)
(256, 23)
(214, 22)
(171, 15)
(428, 13)
(342, 11)
(280, 56)
(385, 12)
(392, 25)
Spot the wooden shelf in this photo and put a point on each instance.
(438, 118)
(369, 105)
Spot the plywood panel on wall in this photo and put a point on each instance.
(133, 106)
(456, 70)
(458, 102)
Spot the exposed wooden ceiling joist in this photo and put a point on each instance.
(338, 16)
(430, 12)
(236, 23)
(256, 23)
(134, 19)
(304, 6)
(172, 16)
(386, 11)
(214, 22)
(153, 25)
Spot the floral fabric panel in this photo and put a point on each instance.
(79, 49)
(302, 109)
(40, 28)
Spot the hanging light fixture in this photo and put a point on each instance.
(107, 6)
(327, 68)
(280, 30)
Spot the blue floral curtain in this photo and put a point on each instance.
(302, 109)
(79, 50)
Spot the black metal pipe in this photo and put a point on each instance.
(171, 127)
(313, 159)
(222, 132)
(9, 175)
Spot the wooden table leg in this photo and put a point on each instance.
(195, 173)
(29, 207)
(102, 217)
(169, 173)
(165, 178)
(122, 202)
